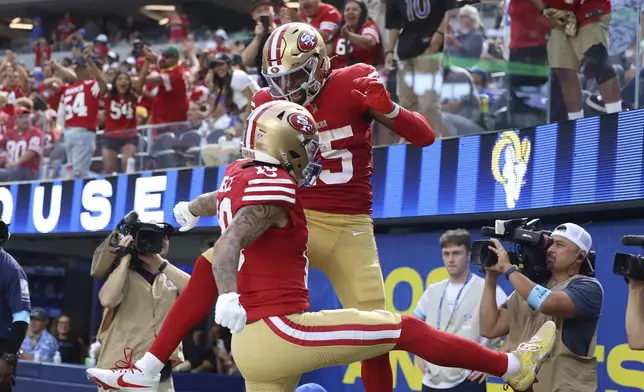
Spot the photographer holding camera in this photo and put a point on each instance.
(140, 289)
(568, 297)
(631, 267)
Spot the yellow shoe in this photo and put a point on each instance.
(532, 355)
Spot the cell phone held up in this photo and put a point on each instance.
(266, 22)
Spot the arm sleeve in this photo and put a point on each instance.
(95, 89)
(587, 295)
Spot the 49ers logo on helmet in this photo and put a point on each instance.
(301, 123)
(306, 41)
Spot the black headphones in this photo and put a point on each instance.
(4, 232)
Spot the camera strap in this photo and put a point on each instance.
(440, 303)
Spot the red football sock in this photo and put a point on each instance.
(191, 308)
(443, 349)
(376, 374)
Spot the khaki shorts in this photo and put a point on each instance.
(567, 52)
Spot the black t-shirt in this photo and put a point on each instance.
(258, 61)
(419, 20)
(69, 350)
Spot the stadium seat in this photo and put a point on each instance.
(163, 151)
(213, 137)
(189, 147)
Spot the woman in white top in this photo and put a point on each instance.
(235, 86)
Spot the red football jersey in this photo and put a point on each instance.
(12, 95)
(16, 144)
(120, 115)
(171, 102)
(273, 270)
(81, 101)
(6, 123)
(342, 48)
(326, 19)
(344, 186)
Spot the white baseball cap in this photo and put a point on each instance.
(575, 234)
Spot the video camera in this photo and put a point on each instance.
(628, 265)
(531, 244)
(147, 237)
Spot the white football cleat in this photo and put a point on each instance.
(126, 376)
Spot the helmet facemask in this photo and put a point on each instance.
(310, 172)
(299, 85)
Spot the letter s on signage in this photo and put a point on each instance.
(95, 200)
(6, 199)
(147, 196)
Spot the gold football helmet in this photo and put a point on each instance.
(285, 134)
(295, 62)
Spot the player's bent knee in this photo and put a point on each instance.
(597, 60)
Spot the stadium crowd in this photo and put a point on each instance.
(469, 68)
(112, 105)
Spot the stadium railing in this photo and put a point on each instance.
(160, 146)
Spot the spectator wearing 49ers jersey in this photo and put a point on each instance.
(357, 40)
(324, 17)
(14, 80)
(79, 106)
(170, 103)
(120, 134)
(22, 146)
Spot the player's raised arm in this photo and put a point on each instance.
(410, 125)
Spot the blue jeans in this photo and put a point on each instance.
(79, 146)
(465, 386)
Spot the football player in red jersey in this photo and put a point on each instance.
(357, 40)
(171, 100)
(338, 208)
(120, 133)
(260, 269)
(80, 104)
(22, 145)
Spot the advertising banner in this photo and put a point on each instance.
(576, 163)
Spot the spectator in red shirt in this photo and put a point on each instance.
(324, 17)
(42, 50)
(120, 134)
(22, 146)
(55, 79)
(220, 38)
(79, 106)
(15, 81)
(179, 25)
(171, 101)
(357, 39)
(101, 48)
(66, 27)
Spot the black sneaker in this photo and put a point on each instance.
(596, 102)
